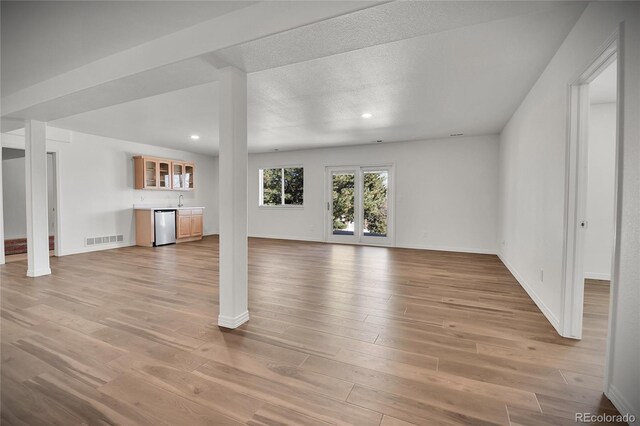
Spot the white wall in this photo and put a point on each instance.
(600, 191)
(14, 196)
(446, 188)
(532, 187)
(96, 188)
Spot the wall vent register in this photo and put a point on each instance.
(110, 239)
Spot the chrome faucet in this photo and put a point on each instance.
(180, 204)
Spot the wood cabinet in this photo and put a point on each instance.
(184, 226)
(189, 224)
(189, 172)
(159, 173)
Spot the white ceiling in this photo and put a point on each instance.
(41, 39)
(423, 69)
(603, 89)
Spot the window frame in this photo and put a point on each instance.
(261, 188)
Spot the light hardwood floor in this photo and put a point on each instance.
(338, 334)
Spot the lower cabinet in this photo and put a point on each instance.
(189, 224)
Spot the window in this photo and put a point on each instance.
(282, 186)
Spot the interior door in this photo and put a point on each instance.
(359, 205)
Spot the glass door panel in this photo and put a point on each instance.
(375, 205)
(359, 205)
(178, 175)
(188, 176)
(164, 175)
(150, 174)
(343, 206)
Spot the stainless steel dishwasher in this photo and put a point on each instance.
(165, 227)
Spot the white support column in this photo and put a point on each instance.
(36, 194)
(233, 165)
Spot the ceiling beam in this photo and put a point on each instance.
(171, 62)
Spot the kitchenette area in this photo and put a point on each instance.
(161, 225)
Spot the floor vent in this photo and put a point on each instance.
(109, 239)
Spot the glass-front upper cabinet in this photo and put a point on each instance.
(164, 174)
(146, 173)
(150, 174)
(189, 172)
(161, 173)
(178, 175)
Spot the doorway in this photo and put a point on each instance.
(599, 213)
(14, 204)
(360, 205)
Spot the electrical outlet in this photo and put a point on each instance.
(425, 234)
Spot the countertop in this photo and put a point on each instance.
(166, 207)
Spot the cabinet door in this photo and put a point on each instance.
(196, 225)
(178, 175)
(189, 172)
(150, 173)
(164, 174)
(184, 226)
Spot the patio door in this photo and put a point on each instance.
(359, 205)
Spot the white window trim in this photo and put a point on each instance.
(261, 188)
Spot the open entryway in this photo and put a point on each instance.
(593, 186)
(360, 205)
(14, 205)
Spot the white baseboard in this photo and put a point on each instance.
(38, 272)
(407, 246)
(622, 404)
(449, 249)
(597, 276)
(99, 247)
(555, 322)
(233, 322)
(276, 237)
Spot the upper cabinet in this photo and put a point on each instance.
(158, 173)
(178, 175)
(189, 171)
(164, 174)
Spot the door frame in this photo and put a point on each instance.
(18, 142)
(388, 241)
(56, 194)
(575, 195)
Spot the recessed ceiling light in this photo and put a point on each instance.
(367, 115)
(195, 137)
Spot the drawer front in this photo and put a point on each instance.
(196, 211)
(183, 212)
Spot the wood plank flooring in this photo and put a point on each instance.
(338, 334)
